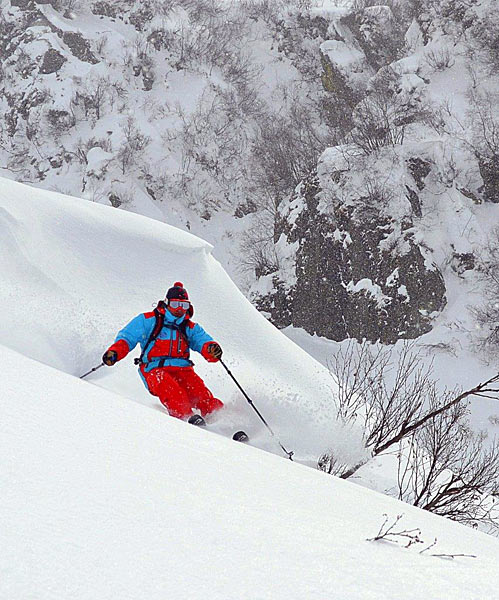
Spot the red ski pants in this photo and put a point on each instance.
(180, 390)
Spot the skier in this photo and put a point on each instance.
(166, 336)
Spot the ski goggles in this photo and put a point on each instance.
(180, 304)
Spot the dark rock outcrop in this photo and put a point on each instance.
(354, 277)
(489, 170)
(79, 47)
(52, 61)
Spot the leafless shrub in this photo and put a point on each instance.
(101, 44)
(93, 142)
(60, 121)
(213, 35)
(215, 138)
(447, 469)
(355, 367)
(105, 9)
(258, 251)
(134, 143)
(363, 372)
(407, 537)
(81, 148)
(78, 153)
(389, 533)
(328, 463)
(376, 197)
(377, 122)
(478, 134)
(480, 131)
(92, 97)
(483, 119)
(485, 34)
(117, 93)
(285, 150)
(67, 7)
(267, 10)
(440, 59)
(239, 68)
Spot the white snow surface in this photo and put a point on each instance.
(104, 498)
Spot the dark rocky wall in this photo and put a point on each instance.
(337, 248)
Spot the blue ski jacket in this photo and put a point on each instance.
(171, 348)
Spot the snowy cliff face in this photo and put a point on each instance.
(160, 107)
(367, 245)
(207, 115)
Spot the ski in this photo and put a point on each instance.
(240, 436)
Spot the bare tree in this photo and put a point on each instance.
(393, 411)
(487, 315)
(447, 469)
(379, 117)
(134, 143)
(443, 466)
(92, 96)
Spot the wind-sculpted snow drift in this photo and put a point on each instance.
(74, 272)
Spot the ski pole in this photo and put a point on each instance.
(92, 370)
(251, 403)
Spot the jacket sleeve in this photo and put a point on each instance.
(136, 331)
(199, 340)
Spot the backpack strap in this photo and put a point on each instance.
(180, 328)
(158, 326)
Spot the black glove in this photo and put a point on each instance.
(110, 357)
(215, 350)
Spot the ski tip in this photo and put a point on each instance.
(240, 436)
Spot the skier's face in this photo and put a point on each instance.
(178, 308)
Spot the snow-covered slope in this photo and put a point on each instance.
(74, 272)
(103, 498)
